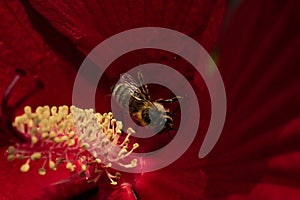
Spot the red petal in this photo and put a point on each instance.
(22, 46)
(125, 192)
(87, 23)
(259, 65)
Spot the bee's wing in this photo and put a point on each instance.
(128, 79)
(126, 89)
(131, 83)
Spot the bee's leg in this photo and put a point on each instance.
(169, 134)
(172, 100)
(143, 86)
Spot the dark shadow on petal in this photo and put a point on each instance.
(58, 42)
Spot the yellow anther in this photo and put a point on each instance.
(64, 138)
(98, 161)
(110, 115)
(72, 109)
(109, 134)
(63, 110)
(108, 165)
(122, 152)
(118, 175)
(135, 145)
(52, 134)
(34, 139)
(130, 131)
(83, 167)
(10, 157)
(45, 135)
(10, 150)
(125, 142)
(85, 145)
(46, 111)
(71, 142)
(36, 156)
(52, 165)
(70, 166)
(95, 154)
(57, 140)
(134, 162)
(98, 116)
(106, 121)
(42, 171)
(119, 125)
(71, 134)
(25, 167)
(53, 110)
(19, 156)
(113, 122)
(20, 119)
(39, 110)
(113, 183)
(118, 131)
(27, 110)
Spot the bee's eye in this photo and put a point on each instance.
(168, 120)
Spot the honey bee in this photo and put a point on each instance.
(128, 93)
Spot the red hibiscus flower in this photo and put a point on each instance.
(257, 152)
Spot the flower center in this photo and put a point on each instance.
(84, 141)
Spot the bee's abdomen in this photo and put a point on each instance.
(122, 94)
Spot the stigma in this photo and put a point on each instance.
(78, 139)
